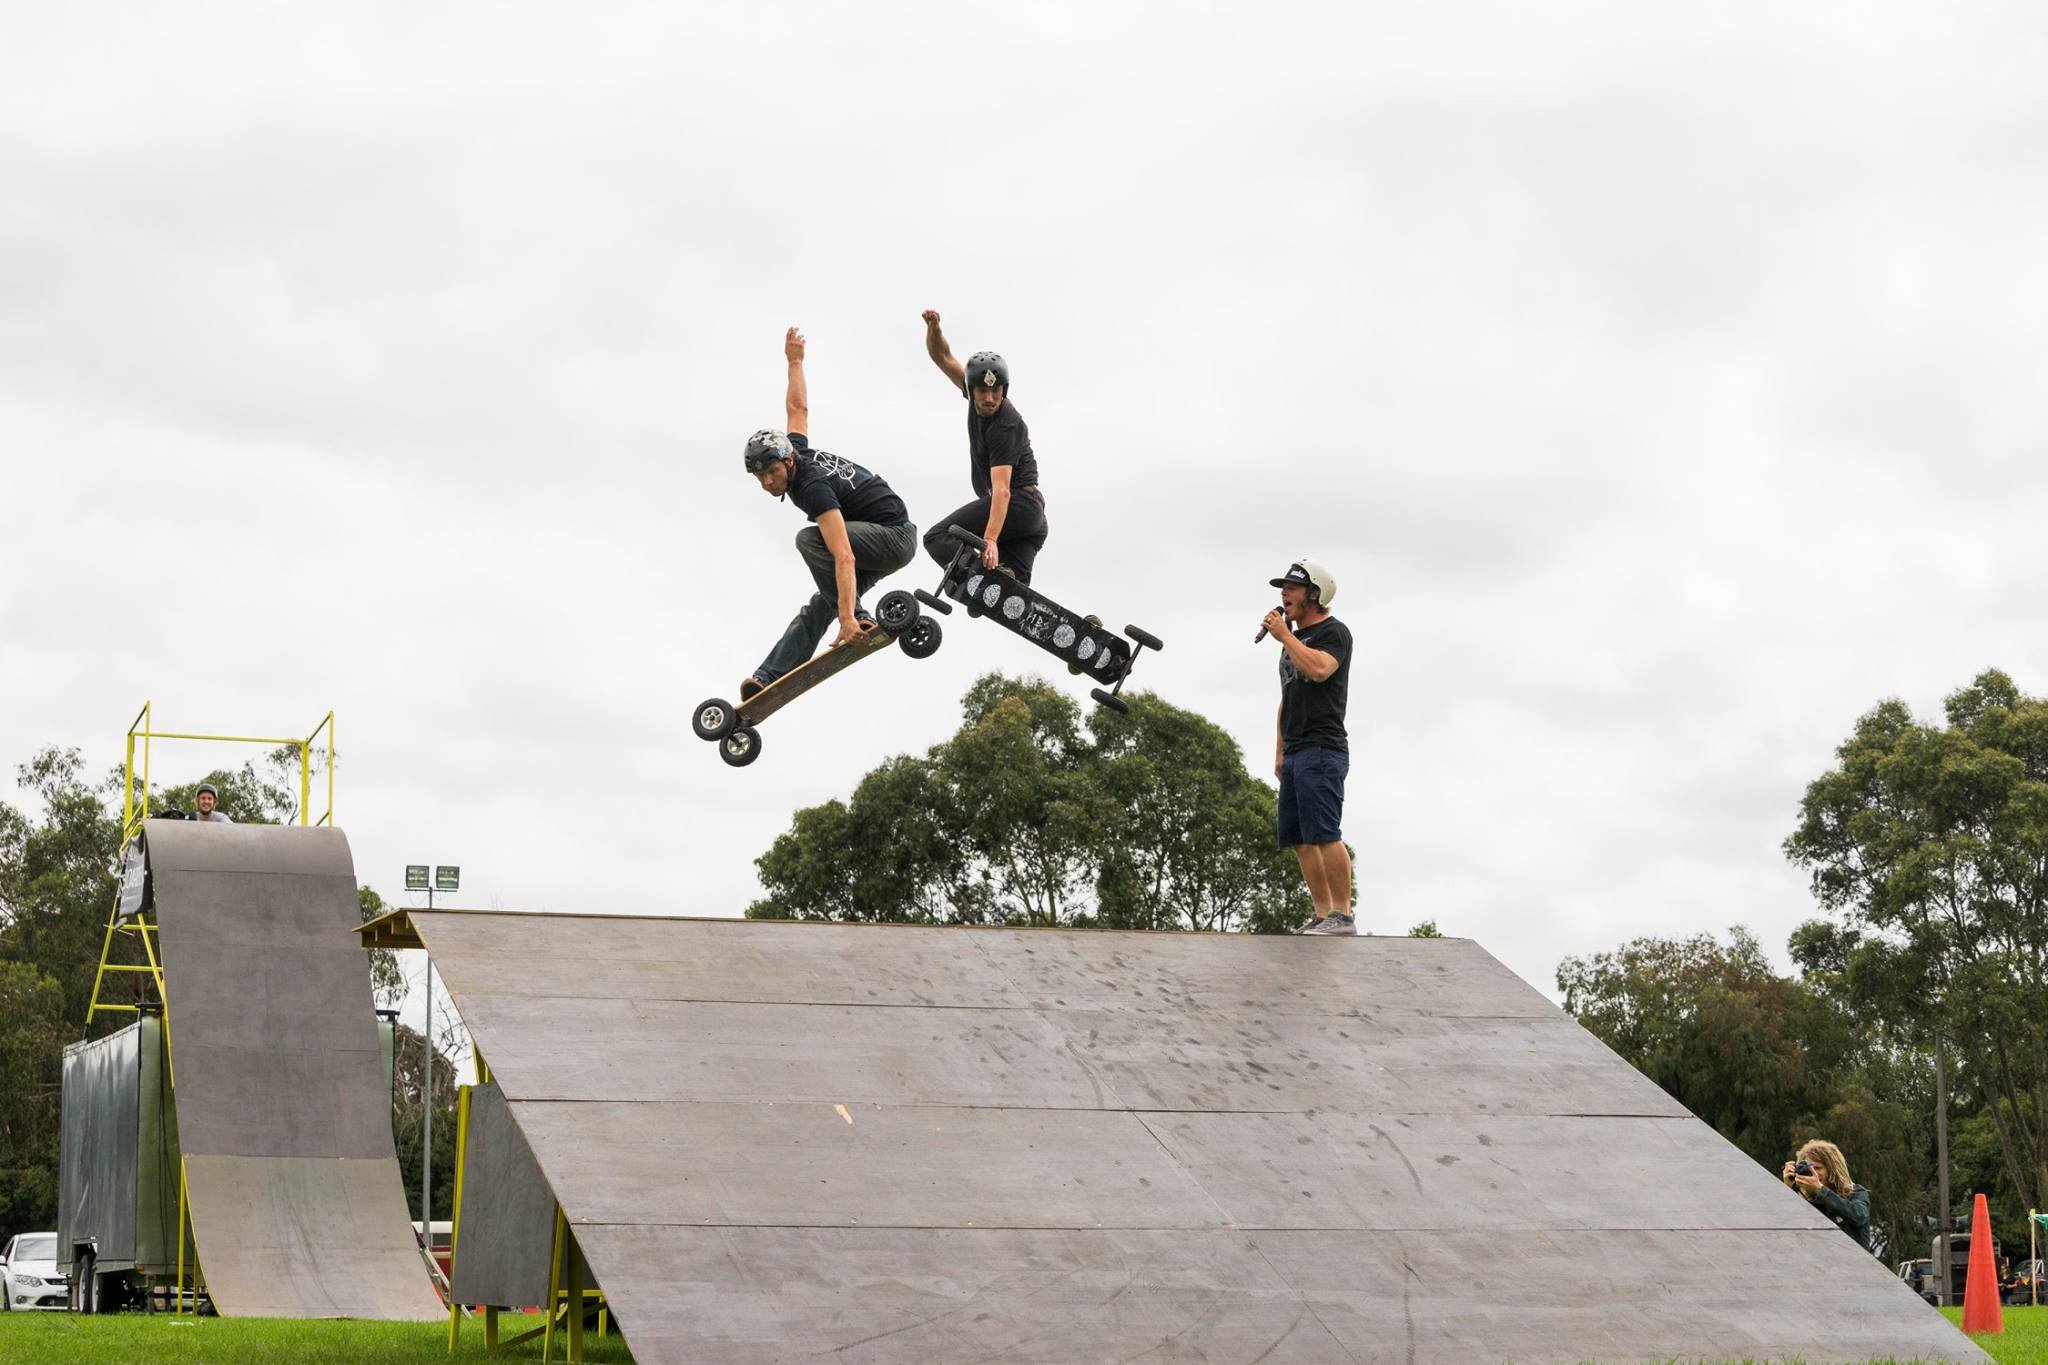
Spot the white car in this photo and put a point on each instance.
(28, 1273)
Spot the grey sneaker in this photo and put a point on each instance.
(1336, 922)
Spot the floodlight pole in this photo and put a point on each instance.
(445, 878)
(1947, 1290)
(427, 1115)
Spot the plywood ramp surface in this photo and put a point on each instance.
(876, 1143)
(284, 1106)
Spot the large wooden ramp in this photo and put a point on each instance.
(786, 1141)
(284, 1106)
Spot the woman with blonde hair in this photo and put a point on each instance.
(1821, 1173)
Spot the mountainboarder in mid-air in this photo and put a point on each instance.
(859, 534)
(1008, 511)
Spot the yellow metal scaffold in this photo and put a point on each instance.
(135, 810)
(142, 925)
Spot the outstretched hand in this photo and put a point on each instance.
(793, 346)
(931, 318)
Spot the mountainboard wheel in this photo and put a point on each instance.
(935, 602)
(896, 612)
(1143, 637)
(741, 747)
(921, 641)
(1112, 701)
(714, 719)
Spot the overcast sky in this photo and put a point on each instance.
(1664, 385)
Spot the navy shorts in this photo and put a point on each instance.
(1312, 796)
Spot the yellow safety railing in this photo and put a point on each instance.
(135, 810)
(135, 806)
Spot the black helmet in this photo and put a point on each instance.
(987, 370)
(765, 447)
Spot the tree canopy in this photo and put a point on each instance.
(1031, 814)
(1928, 846)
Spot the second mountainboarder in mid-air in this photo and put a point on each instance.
(1008, 511)
(859, 534)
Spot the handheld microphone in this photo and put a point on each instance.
(1263, 632)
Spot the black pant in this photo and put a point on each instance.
(1023, 534)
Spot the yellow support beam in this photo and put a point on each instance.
(547, 1342)
(93, 1005)
(574, 1295)
(455, 1213)
(163, 998)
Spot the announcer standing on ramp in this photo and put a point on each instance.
(1008, 511)
(860, 531)
(1311, 754)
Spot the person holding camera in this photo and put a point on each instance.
(1821, 1173)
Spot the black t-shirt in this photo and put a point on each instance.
(1001, 439)
(824, 481)
(1312, 713)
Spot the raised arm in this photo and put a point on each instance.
(797, 404)
(942, 355)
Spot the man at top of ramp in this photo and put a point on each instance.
(283, 1103)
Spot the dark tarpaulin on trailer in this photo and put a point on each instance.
(96, 1136)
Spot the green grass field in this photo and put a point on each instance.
(61, 1339)
(2024, 1341)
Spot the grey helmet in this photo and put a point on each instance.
(987, 370)
(765, 447)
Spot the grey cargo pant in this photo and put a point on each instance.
(878, 551)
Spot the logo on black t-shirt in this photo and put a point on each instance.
(834, 466)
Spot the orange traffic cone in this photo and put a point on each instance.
(1981, 1310)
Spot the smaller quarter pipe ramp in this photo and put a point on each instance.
(283, 1103)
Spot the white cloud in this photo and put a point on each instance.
(1662, 386)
